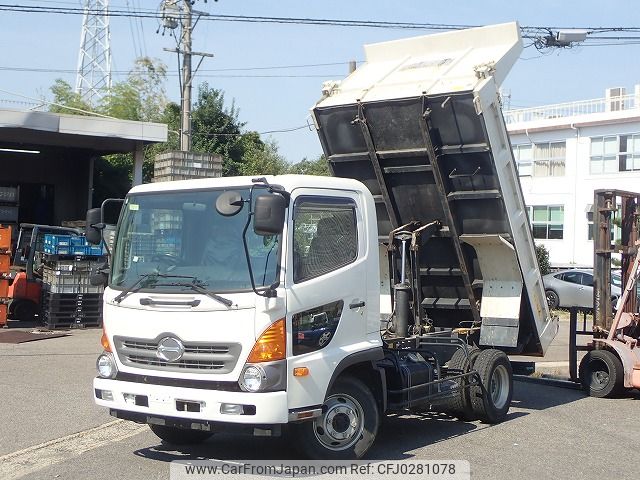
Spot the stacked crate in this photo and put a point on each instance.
(68, 298)
(5, 263)
(185, 166)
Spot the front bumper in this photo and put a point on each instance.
(166, 401)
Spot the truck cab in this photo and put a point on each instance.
(207, 321)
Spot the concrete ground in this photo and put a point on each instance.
(50, 428)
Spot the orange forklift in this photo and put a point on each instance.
(25, 289)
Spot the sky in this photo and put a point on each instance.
(280, 99)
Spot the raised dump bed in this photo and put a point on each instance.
(420, 125)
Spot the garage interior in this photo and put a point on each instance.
(47, 159)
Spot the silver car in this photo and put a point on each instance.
(573, 288)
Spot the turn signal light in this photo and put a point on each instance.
(271, 345)
(105, 341)
(300, 372)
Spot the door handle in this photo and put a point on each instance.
(356, 305)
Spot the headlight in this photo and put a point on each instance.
(106, 366)
(252, 378)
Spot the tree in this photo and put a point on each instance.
(543, 259)
(217, 129)
(64, 96)
(320, 166)
(262, 159)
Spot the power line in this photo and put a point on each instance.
(535, 33)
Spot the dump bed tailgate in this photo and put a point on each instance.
(420, 125)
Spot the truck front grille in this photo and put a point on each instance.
(198, 357)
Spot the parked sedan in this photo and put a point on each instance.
(573, 288)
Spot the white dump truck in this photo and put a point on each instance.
(321, 304)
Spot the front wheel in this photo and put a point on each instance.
(179, 436)
(347, 427)
(602, 374)
(494, 369)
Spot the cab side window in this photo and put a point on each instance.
(324, 236)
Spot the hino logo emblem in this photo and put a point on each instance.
(170, 349)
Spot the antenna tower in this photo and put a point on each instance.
(93, 80)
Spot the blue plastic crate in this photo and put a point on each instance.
(78, 241)
(81, 250)
(96, 250)
(57, 249)
(57, 240)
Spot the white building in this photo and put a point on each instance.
(566, 151)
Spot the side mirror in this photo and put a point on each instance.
(269, 214)
(94, 226)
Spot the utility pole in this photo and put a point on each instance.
(180, 13)
(185, 123)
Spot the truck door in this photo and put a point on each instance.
(326, 288)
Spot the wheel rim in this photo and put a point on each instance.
(600, 377)
(551, 299)
(341, 425)
(499, 386)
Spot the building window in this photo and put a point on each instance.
(616, 231)
(524, 159)
(549, 159)
(604, 153)
(629, 153)
(547, 221)
(540, 159)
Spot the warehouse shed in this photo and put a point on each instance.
(46, 161)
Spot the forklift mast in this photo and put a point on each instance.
(612, 208)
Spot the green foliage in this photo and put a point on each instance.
(63, 94)
(263, 160)
(320, 166)
(217, 129)
(543, 259)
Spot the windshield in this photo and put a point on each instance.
(182, 234)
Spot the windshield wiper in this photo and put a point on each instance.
(197, 286)
(145, 280)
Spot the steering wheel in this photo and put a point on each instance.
(168, 259)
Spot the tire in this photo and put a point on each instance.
(602, 374)
(552, 299)
(460, 405)
(347, 427)
(179, 436)
(496, 375)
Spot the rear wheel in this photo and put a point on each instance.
(496, 375)
(552, 299)
(347, 427)
(602, 374)
(460, 405)
(179, 436)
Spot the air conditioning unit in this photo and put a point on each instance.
(614, 99)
